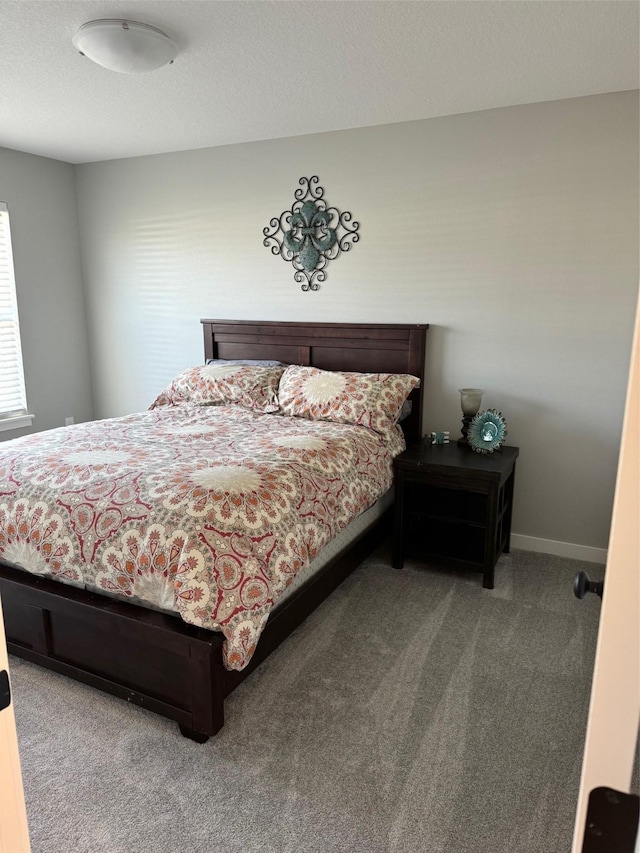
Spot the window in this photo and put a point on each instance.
(13, 398)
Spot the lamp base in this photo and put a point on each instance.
(463, 441)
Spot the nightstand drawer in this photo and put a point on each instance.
(444, 541)
(440, 503)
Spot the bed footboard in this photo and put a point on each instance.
(144, 657)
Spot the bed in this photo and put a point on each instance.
(178, 669)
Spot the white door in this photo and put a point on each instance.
(14, 833)
(614, 712)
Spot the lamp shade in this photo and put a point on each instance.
(124, 46)
(470, 399)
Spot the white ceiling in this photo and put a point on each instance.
(256, 69)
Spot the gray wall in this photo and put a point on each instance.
(513, 232)
(41, 195)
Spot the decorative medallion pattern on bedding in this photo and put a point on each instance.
(207, 510)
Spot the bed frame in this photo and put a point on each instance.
(157, 660)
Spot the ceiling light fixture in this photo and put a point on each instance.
(124, 46)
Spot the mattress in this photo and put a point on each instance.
(213, 512)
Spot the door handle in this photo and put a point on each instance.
(5, 690)
(583, 584)
(612, 821)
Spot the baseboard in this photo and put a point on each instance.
(560, 549)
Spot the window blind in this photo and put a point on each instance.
(13, 398)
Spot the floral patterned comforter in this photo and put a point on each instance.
(209, 511)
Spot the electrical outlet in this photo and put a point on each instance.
(69, 421)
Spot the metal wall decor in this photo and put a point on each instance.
(310, 234)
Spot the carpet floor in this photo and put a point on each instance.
(413, 712)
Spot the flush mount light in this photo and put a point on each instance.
(124, 46)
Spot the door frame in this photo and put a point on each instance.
(614, 711)
(14, 831)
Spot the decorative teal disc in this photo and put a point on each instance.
(487, 431)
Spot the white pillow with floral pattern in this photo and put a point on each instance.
(373, 400)
(251, 387)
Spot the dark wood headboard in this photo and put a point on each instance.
(361, 347)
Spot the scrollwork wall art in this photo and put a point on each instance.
(310, 234)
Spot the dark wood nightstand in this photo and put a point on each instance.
(454, 505)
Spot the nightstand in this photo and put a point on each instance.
(454, 505)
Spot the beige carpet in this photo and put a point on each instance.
(413, 712)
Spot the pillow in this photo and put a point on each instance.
(405, 411)
(252, 387)
(254, 362)
(373, 400)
